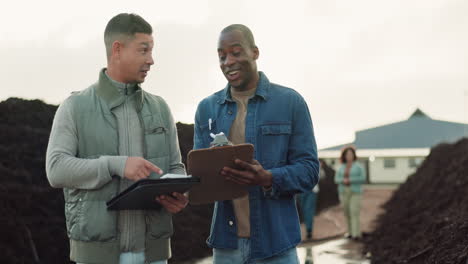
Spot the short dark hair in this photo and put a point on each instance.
(343, 153)
(246, 32)
(124, 25)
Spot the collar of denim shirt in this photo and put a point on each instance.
(263, 87)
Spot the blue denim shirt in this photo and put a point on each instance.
(279, 126)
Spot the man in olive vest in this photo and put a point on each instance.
(106, 137)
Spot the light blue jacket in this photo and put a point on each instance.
(357, 177)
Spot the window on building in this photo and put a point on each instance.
(389, 163)
(414, 162)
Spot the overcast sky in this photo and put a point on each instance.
(358, 63)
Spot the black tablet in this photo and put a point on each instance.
(141, 195)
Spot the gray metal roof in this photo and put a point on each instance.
(418, 131)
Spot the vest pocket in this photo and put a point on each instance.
(99, 224)
(155, 130)
(72, 217)
(87, 216)
(159, 224)
(90, 221)
(156, 141)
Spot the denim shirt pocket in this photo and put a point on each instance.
(277, 129)
(206, 129)
(274, 143)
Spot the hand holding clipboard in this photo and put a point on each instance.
(207, 165)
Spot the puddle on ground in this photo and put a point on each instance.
(338, 251)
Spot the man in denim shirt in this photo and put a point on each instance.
(262, 227)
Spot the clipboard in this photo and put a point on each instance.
(206, 164)
(141, 194)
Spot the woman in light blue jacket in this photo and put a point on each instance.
(350, 177)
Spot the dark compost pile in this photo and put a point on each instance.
(426, 220)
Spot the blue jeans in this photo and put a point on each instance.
(241, 255)
(135, 258)
(308, 203)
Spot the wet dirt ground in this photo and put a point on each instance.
(328, 244)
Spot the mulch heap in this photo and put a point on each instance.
(32, 225)
(426, 220)
(191, 225)
(327, 195)
(328, 190)
(32, 221)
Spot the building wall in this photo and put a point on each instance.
(398, 174)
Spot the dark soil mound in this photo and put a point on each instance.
(32, 225)
(328, 190)
(192, 225)
(425, 221)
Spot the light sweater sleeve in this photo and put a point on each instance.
(64, 169)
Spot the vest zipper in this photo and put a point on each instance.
(128, 214)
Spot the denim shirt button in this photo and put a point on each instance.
(230, 112)
(231, 223)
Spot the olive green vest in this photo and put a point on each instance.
(92, 229)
